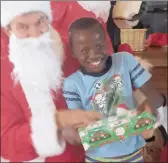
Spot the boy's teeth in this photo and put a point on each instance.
(95, 63)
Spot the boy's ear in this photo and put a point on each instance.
(74, 56)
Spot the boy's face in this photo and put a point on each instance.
(90, 48)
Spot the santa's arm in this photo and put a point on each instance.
(140, 79)
(19, 143)
(153, 98)
(156, 101)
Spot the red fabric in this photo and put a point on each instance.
(158, 39)
(164, 155)
(65, 13)
(125, 47)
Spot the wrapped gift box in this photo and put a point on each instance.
(115, 129)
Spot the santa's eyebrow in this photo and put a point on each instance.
(43, 17)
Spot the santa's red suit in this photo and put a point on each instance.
(26, 133)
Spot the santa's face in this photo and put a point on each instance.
(35, 61)
(29, 25)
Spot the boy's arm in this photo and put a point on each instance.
(71, 95)
(140, 79)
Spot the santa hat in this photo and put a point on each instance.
(101, 9)
(11, 9)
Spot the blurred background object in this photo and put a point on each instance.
(155, 19)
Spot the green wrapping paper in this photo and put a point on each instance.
(115, 129)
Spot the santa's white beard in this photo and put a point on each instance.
(35, 62)
(36, 67)
(99, 8)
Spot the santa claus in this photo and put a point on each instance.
(31, 75)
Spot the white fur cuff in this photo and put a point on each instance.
(44, 135)
(144, 63)
(162, 115)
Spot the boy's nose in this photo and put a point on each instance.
(92, 54)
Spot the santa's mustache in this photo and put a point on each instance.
(40, 41)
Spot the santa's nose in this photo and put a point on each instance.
(34, 32)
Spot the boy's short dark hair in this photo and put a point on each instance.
(83, 23)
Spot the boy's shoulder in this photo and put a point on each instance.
(73, 78)
(121, 55)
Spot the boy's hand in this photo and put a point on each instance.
(144, 107)
(76, 118)
(148, 133)
(71, 136)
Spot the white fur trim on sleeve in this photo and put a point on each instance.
(99, 8)
(162, 116)
(4, 160)
(45, 136)
(145, 63)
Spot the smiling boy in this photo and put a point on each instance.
(104, 83)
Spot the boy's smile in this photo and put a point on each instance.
(97, 64)
(90, 48)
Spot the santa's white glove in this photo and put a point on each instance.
(162, 116)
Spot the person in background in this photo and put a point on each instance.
(33, 114)
(115, 33)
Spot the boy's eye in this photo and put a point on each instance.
(99, 46)
(85, 50)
